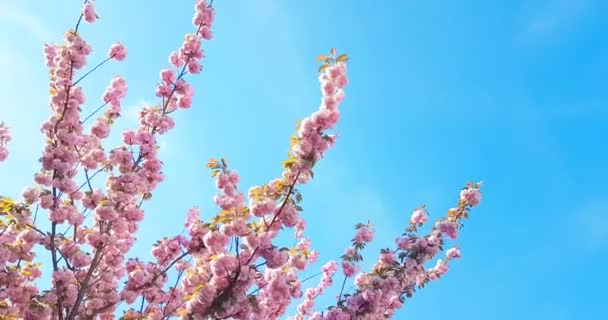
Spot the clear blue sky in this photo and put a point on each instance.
(509, 92)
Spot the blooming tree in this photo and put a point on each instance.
(228, 267)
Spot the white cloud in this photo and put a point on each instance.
(593, 222)
(162, 144)
(556, 17)
(33, 25)
(131, 112)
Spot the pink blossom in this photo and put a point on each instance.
(116, 90)
(101, 129)
(364, 235)
(117, 51)
(404, 243)
(31, 195)
(349, 269)
(88, 11)
(305, 308)
(453, 253)
(449, 229)
(440, 268)
(313, 257)
(350, 252)
(167, 76)
(471, 196)
(5, 137)
(229, 263)
(419, 216)
(50, 52)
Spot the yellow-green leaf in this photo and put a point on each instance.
(342, 58)
(223, 213)
(6, 205)
(294, 140)
(288, 163)
(321, 58)
(213, 164)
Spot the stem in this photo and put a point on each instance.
(86, 174)
(90, 71)
(289, 192)
(55, 267)
(257, 290)
(141, 307)
(237, 250)
(162, 272)
(80, 18)
(164, 309)
(145, 285)
(314, 275)
(85, 283)
(67, 99)
(86, 182)
(168, 100)
(34, 227)
(5, 228)
(342, 289)
(228, 290)
(86, 215)
(67, 263)
(93, 113)
(35, 215)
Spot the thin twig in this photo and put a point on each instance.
(93, 113)
(342, 289)
(94, 68)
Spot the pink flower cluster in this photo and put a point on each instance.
(117, 51)
(230, 267)
(251, 230)
(352, 255)
(470, 196)
(311, 141)
(116, 91)
(5, 137)
(306, 307)
(419, 216)
(398, 273)
(89, 262)
(88, 12)
(190, 53)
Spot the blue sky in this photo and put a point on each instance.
(509, 92)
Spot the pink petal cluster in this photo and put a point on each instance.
(116, 90)
(230, 267)
(190, 53)
(453, 253)
(419, 216)
(89, 262)
(306, 307)
(117, 51)
(398, 274)
(88, 12)
(5, 137)
(470, 196)
(364, 235)
(272, 207)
